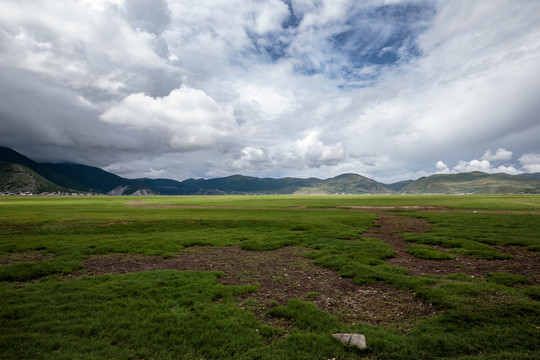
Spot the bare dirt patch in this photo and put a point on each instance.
(285, 273)
(106, 224)
(281, 274)
(389, 227)
(406, 207)
(25, 256)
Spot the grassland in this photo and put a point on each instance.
(467, 287)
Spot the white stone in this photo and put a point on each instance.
(356, 340)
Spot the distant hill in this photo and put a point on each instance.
(247, 184)
(531, 175)
(66, 177)
(20, 174)
(473, 183)
(167, 186)
(94, 179)
(17, 178)
(397, 186)
(11, 156)
(346, 184)
(239, 184)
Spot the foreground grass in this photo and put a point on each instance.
(190, 315)
(125, 316)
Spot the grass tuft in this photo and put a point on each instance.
(507, 279)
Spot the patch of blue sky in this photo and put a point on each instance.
(378, 36)
(369, 37)
(293, 20)
(353, 78)
(304, 66)
(384, 34)
(273, 48)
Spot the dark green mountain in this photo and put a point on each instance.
(473, 183)
(11, 156)
(17, 178)
(90, 178)
(68, 177)
(248, 184)
(397, 186)
(94, 179)
(346, 184)
(531, 175)
(167, 186)
(239, 184)
(235, 184)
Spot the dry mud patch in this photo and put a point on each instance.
(24, 256)
(389, 227)
(281, 274)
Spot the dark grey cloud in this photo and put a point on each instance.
(51, 123)
(151, 16)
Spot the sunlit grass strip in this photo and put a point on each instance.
(507, 279)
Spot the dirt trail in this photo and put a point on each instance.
(389, 226)
(25, 256)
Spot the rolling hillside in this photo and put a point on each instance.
(346, 184)
(11, 156)
(94, 179)
(17, 178)
(473, 183)
(240, 184)
(66, 177)
(398, 185)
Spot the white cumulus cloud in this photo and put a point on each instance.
(530, 162)
(442, 168)
(473, 165)
(315, 153)
(250, 159)
(499, 155)
(187, 118)
(484, 164)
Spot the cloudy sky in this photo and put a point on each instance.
(387, 89)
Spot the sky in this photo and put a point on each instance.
(179, 89)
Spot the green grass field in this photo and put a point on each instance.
(51, 309)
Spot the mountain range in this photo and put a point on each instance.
(19, 173)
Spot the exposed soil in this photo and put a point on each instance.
(282, 274)
(25, 256)
(388, 227)
(405, 207)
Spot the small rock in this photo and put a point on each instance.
(356, 340)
